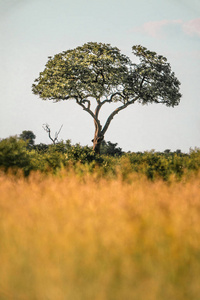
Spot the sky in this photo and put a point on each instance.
(32, 30)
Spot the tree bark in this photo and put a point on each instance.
(97, 143)
(98, 138)
(99, 132)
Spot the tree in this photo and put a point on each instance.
(99, 74)
(28, 136)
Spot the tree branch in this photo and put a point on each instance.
(100, 104)
(80, 102)
(57, 133)
(46, 127)
(88, 102)
(115, 94)
(142, 81)
(116, 111)
(107, 101)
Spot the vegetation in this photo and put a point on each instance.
(97, 223)
(16, 154)
(78, 225)
(28, 136)
(97, 74)
(83, 238)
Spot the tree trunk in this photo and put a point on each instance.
(98, 138)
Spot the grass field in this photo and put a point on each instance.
(70, 238)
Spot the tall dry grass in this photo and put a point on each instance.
(66, 238)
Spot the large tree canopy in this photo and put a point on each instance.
(100, 73)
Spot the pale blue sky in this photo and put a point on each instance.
(32, 30)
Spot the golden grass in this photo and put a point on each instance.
(62, 238)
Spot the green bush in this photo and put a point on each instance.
(14, 154)
(108, 148)
(163, 165)
(80, 154)
(194, 161)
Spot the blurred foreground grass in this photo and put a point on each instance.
(71, 238)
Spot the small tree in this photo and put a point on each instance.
(98, 73)
(28, 136)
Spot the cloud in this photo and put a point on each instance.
(155, 29)
(192, 27)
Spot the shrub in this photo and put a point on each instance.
(81, 154)
(111, 149)
(13, 154)
(51, 158)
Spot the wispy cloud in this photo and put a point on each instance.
(157, 29)
(192, 27)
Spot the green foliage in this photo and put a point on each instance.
(99, 74)
(194, 162)
(28, 136)
(160, 165)
(52, 158)
(81, 154)
(109, 148)
(41, 148)
(100, 71)
(14, 154)
(91, 70)
(159, 83)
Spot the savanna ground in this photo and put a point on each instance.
(80, 237)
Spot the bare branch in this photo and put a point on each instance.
(48, 130)
(57, 133)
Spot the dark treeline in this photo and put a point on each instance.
(19, 153)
